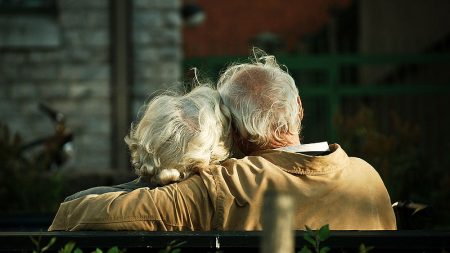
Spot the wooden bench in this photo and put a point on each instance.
(340, 241)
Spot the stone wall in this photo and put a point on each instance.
(157, 49)
(73, 75)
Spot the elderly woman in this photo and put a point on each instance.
(176, 136)
(179, 135)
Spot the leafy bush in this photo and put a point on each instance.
(404, 163)
(27, 186)
(315, 238)
(68, 247)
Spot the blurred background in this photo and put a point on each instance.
(373, 76)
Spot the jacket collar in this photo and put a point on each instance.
(302, 164)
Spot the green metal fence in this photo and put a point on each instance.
(407, 97)
(336, 77)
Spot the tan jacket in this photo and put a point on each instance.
(344, 192)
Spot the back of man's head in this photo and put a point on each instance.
(263, 101)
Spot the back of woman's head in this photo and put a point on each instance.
(178, 135)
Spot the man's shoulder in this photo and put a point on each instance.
(246, 161)
(256, 165)
(358, 165)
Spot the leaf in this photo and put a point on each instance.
(77, 250)
(324, 250)
(97, 250)
(309, 239)
(35, 241)
(310, 231)
(172, 247)
(178, 244)
(114, 249)
(67, 248)
(364, 249)
(165, 250)
(305, 250)
(52, 241)
(324, 233)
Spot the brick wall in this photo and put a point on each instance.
(230, 26)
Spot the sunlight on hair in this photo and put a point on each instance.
(262, 98)
(180, 134)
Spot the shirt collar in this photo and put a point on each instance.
(306, 148)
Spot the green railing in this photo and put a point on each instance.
(332, 87)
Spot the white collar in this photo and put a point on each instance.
(310, 147)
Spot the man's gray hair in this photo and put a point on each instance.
(262, 98)
(178, 135)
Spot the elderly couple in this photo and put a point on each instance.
(180, 149)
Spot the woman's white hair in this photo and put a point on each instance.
(262, 98)
(178, 135)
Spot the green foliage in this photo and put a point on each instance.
(393, 152)
(26, 186)
(315, 237)
(172, 247)
(396, 150)
(70, 247)
(37, 244)
(364, 249)
(116, 250)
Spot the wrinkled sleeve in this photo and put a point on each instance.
(129, 186)
(180, 206)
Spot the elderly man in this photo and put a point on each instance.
(328, 186)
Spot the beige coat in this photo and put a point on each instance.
(344, 192)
